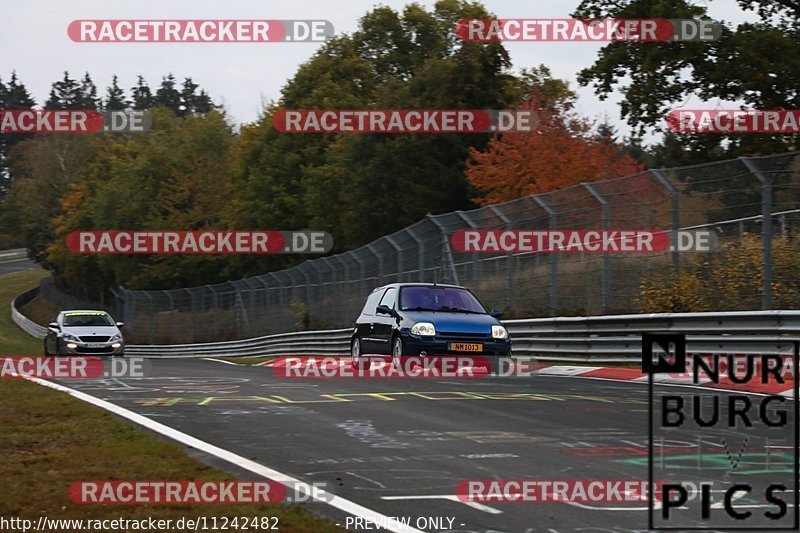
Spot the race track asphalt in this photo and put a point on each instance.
(17, 265)
(400, 446)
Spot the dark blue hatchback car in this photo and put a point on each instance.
(405, 319)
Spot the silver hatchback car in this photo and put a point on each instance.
(84, 332)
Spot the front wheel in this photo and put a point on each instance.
(46, 353)
(355, 351)
(397, 352)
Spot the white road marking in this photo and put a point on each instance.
(451, 497)
(222, 361)
(242, 462)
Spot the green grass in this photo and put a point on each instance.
(14, 341)
(50, 440)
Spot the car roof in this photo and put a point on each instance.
(418, 284)
(61, 313)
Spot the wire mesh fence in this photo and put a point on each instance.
(743, 201)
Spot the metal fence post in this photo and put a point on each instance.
(446, 251)
(399, 252)
(420, 252)
(674, 195)
(766, 232)
(606, 220)
(371, 248)
(361, 270)
(476, 267)
(552, 223)
(152, 316)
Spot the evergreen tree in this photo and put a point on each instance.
(88, 94)
(115, 97)
(13, 95)
(168, 96)
(142, 95)
(65, 94)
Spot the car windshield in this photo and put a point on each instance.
(448, 299)
(87, 319)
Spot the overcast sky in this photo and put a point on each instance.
(242, 76)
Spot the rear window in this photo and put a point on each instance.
(372, 303)
(439, 298)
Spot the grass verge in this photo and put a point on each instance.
(51, 440)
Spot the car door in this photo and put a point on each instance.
(383, 325)
(366, 322)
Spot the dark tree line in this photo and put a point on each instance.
(82, 93)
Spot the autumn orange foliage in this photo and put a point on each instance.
(559, 153)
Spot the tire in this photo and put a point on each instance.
(355, 352)
(397, 352)
(46, 353)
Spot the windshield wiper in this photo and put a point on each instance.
(459, 310)
(419, 308)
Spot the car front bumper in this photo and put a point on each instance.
(85, 348)
(435, 345)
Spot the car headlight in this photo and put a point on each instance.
(423, 328)
(499, 332)
(70, 338)
(117, 337)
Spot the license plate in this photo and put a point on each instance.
(95, 345)
(466, 346)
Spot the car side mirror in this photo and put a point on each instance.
(496, 313)
(384, 310)
(53, 325)
(120, 324)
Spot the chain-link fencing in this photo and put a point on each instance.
(744, 201)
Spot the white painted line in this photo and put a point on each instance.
(566, 370)
(451, 497)
(222, 361)
(334, 501)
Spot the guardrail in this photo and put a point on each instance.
(595, 339)
(17, 252)
(29, 326)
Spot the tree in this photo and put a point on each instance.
(757, 63)
(142, 95)
(71, 94)
(337, 182)
(115, 97)
(179, 175)
(168, 96)
(192, 101)
(13, 96)
(561, 152)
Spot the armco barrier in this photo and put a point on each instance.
(596, 339)
(29, 326)
(12, 254)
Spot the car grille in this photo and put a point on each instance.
(95, 338)
(107, 349)
(445, 335)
